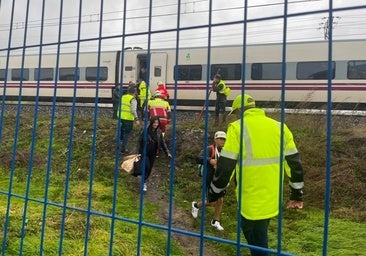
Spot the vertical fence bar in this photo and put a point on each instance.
(328, 170)
(283, 101)
(95, 128)
(119, 78)
(6, 223)
(52, 124)
(15, 143)
(173, 146)
(72, 130)
(34, 134)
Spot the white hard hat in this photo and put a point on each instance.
(157, 94)
(220, 135)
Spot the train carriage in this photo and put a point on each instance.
(306, 73)
(68, 80)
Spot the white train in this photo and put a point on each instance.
(188, 77)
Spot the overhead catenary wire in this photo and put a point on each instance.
(47, 23)
(258, 32)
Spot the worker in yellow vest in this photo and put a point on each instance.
(252, 154)
(128, 116)
(219, 86)
(144, 95)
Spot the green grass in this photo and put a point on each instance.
(302, 231)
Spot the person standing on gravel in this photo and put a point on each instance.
(252, 152)
(213, 153)
(219, 87)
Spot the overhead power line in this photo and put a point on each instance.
(327, 25)
(88, 18)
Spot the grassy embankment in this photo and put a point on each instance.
(302, 230)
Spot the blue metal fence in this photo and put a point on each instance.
(58, 21)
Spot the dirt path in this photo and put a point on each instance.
(181, 218)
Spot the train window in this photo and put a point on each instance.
(157, 71)
(188, 72)
(313, 70)
(92, 73)
(68, 74)
(266, 71)
(46, 74)
(2, 74)
(227, 71)
(17, 75)
(128, 68)
(356, 69)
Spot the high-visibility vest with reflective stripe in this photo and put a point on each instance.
(260, 173)
(125, 111)
(160, 108)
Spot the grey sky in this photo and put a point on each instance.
(350, 25)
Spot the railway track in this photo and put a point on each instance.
(105, 109)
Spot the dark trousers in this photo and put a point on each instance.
(256, 233)
(141, 110)
(149, 165)
(126, 129)
(220, 108)
(115, 110)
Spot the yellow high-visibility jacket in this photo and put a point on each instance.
(257, 172)
(142, 93)
(125, 110)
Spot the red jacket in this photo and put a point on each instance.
(163, 91)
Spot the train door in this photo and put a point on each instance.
(129, 70)
(158, 62)
(141, 66)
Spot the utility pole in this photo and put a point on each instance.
(325, 24)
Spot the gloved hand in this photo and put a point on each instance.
(296, 194)
(292, 204)
(295, 199)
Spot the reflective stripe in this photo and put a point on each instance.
(262, 161)
(250, 160)
(296, 185)
(247, 143)
(228, 154)
(216, 189)
(291, 151)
